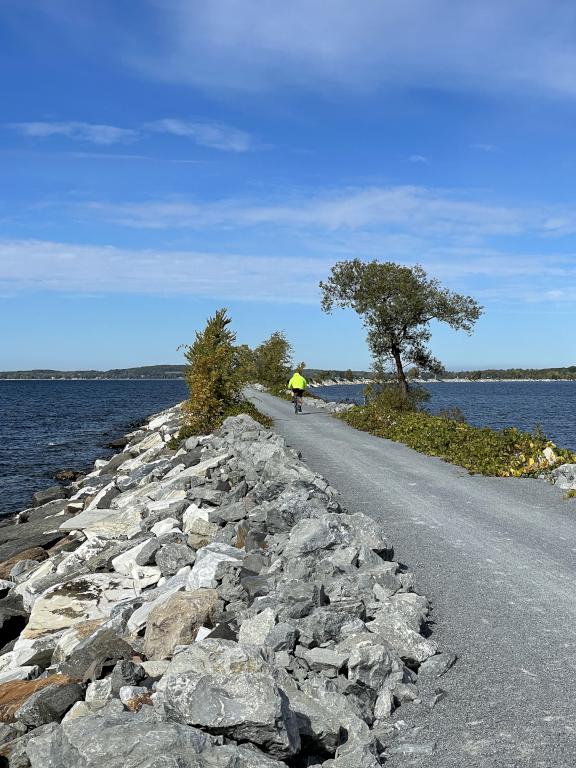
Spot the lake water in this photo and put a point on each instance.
(498, 404)
(50, 425)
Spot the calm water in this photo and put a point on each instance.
(50, 425)
(521, 404)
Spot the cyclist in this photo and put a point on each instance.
(297, 384)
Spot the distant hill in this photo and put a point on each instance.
(514, 373)
(142, 372)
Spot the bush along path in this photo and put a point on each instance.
(481, 450)
(208, 606)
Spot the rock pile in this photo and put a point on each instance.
(209, 607)
(330, 406)
(564, 477)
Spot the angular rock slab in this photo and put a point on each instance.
(105, 523)
(176, 621)
(247, 706)
(216, 656)
(77, 600)
(122, 740)
(203, 574)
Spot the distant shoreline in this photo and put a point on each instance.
(92, 378)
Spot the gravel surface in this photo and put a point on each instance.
(497, 557)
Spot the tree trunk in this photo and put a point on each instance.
(401, 376)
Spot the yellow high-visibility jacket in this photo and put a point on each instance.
(297, 382)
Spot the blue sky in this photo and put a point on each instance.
(162, 158)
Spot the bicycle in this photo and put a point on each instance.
(297, 400)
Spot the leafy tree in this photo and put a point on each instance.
(246, 362)
(300, 368)
(212, 374)
(349, 375)
(274, 361)
(397, 304)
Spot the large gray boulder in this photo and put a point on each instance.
(246, 706)
(53, 493)
(122, 740)
(217, 657)
(398, 621)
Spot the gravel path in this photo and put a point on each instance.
(497, 558)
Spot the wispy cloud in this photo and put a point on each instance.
(409, 209)
(518, 47)
(89, 269)
(204, 133)
(80, 268)
(207, 134)
(419, 159)
(88, 132)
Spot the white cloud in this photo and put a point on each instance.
(68, 267)
(88, 132)
(519, 45)
(36, 265)
(409, 209)
(419, 159)
(207, 134)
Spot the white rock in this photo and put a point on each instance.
(34, 651)
(153, 441)
(84, 552)
(174, 471)
(207, 560)
(99, 463)
(191, 513)
(98, 693)
(155, 668)
(128, 693)
(202, 633)
(77, 600)
(27, 589)
(255, 630)
(172, 585)
(125, 562)
(105, 523)
(164, 526)
(159, 420)
(86, 490)
(172, 502)
(19, 673)
(100, 495)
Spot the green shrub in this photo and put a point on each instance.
(388, 396)
(273, 359)
(213, 375)
(503, 453)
